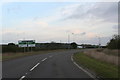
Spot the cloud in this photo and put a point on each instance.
(76, 31)
(115, 27)
(95, 40)
(106, 11)
(91, 35)
(83, 33)
(41, 23)
(69, 10)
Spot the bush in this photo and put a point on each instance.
(11, 48)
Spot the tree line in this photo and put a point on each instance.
(11, 47)
(114, 43)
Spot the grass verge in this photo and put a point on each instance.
(102, 69)
(9, 56)
(0, 56)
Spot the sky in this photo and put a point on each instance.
(84, 22)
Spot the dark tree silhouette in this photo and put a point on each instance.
(74, 45)
(114, 42)
(11, 44)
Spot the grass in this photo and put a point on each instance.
(9, 56)
(103, 56)
(101, 68)
(114, 52)
(0, 56)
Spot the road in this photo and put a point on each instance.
(51, 65)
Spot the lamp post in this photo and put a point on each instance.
(73, 37)
(68, 38)
(99, 41)
(68, 41)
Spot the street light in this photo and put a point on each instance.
(99, 41)
(68, 34)
(68, 38)
(73, 37)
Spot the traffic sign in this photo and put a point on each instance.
(26, 43)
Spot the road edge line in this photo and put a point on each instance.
(88, 73)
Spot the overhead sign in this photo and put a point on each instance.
(26, 43)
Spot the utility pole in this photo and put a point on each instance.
(68, 38)
(60, 41)
(68, 41)
(99, 42)
(73, 37)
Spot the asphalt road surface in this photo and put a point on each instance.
(51, 65)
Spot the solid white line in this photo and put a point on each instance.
(22, 77)
(34, 66)
(44, 59)
(72, 59)
(82, 68)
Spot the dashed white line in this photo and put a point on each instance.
(50, 56)
(72, 58)
(34, 66)
(22, 77)
(37, 64)
(44, 59)
(82, 68)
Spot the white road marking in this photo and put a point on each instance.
(72, 58)
(50, 56)
(82, 68)
(44, 59)
(22, 77)
(34, 66)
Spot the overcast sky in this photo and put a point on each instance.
(54, 21)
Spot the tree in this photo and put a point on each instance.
(11, 44)
(114, 42)
(74, 45)
(11, 47)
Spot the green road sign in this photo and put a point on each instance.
(26, 43)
